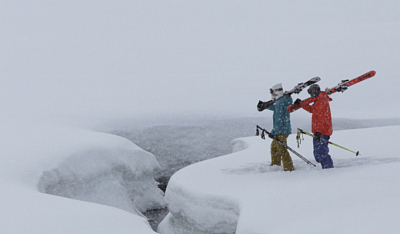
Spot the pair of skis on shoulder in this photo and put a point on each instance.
(341, 87)
(297, 89)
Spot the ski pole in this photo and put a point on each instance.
(263, 131)
(312, 135)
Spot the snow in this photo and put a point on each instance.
(72, 72)
(241, 193)
(27, 211)
(81, 165)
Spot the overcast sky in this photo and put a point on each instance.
(121, 59)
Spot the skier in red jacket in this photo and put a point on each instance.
(321, 123)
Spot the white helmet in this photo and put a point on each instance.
(276, 91)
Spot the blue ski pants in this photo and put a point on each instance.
(321, 151)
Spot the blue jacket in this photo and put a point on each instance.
(281, 117)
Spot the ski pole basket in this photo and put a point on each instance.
(302, 132)
(264, 131)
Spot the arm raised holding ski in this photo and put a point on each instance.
(321, 123)
(318, 106)
(341, 87)
(297, 89)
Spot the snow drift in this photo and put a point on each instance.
(241, 193)
(78, 164)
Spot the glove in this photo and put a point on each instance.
(271, 134)
(259, 105)
(297, 102)
(317, 136)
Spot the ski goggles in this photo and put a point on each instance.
(275, 90)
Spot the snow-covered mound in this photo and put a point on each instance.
(241, 193)
(78, 164)
(119, 176)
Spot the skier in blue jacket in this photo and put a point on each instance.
(281, 128)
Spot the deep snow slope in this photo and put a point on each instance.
(241, 193)
(39, 161)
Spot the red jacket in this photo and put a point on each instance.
(321, 114)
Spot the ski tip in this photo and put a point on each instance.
(372, 72)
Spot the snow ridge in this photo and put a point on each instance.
(118, 177)
(200, 213)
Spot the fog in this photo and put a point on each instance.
(97, 61)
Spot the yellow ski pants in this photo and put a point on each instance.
(280, 153)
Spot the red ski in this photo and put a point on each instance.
(341, 87)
